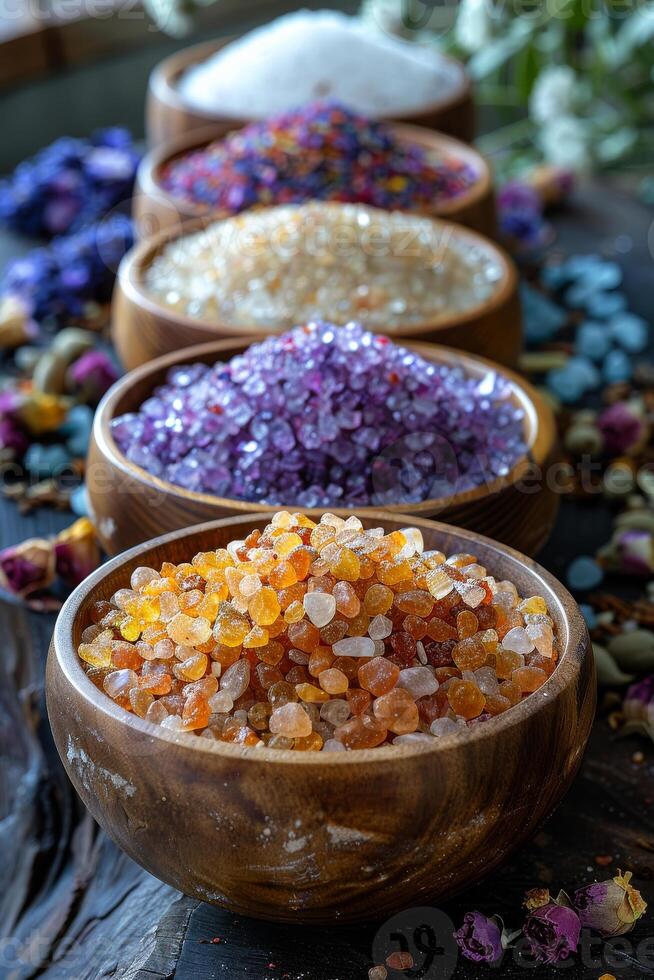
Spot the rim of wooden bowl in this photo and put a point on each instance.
(164, 80)
(149, 170)
(131, 273)
(571, 634)
(540, 427)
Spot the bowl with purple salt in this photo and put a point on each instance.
(322, 418)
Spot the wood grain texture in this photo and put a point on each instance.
(130, 505)
(155, 209)
(315, 837)
(167, 116)
(143, 328)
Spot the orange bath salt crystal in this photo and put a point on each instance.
(397, 711)
(415, 627)
(496, 704)
(465, 698)
(333, 681)
(358, 700)
(304, 636)
(467, 624)
(311, 693)
(379, 676)
(378, 599)
(286, 543)
(511, 692)
(320, 660)
(346, 566)
(264, 607)
(415, 602)
(528, 679)
(196, 712)
(347, 601)
(392, 572)
(362, 732)
(257, 637)
(469, 654)
(140, 701)
(300, 560)
(283, 575)
(125, 655)
(191, 669)
(439, 630)
(506, 661)
(294, 612)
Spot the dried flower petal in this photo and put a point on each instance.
(479, 938)
(552, 932)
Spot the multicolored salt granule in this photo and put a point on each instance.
(319, 636)
(268, 270)
(325, 416)
(322, 151)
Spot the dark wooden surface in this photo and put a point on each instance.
(73, 907)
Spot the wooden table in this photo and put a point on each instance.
(73, 907)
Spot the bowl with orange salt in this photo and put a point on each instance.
(321, 721)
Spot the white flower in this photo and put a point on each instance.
(565, 142)
(473, 28)
(553, 94)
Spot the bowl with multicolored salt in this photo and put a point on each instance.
(320, 720)
(322, 417)
(301, 57)
(263, 271)
(321, 151)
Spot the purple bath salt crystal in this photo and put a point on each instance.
(325, 415)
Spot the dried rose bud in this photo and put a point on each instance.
(623, 427)
(16, 324)
(93, 374)
(27, 567)
(479, 938)
(12, 437)
(611, 907)
(40, 412)
(638, 706)
(76, 552)
(552, 932)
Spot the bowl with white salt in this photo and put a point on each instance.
(301, 57)
(264, 271)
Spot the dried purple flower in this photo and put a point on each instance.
(638, 706)
(611, 907)
(12, 437)
(552, 932)
(76, 552)
(27, 567)
(479, 938)
(93, 373)
(622, 426)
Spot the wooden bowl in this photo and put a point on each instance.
(154, 208)
(130, 505)
(310, 836)
(168, 116)
(144, 328)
